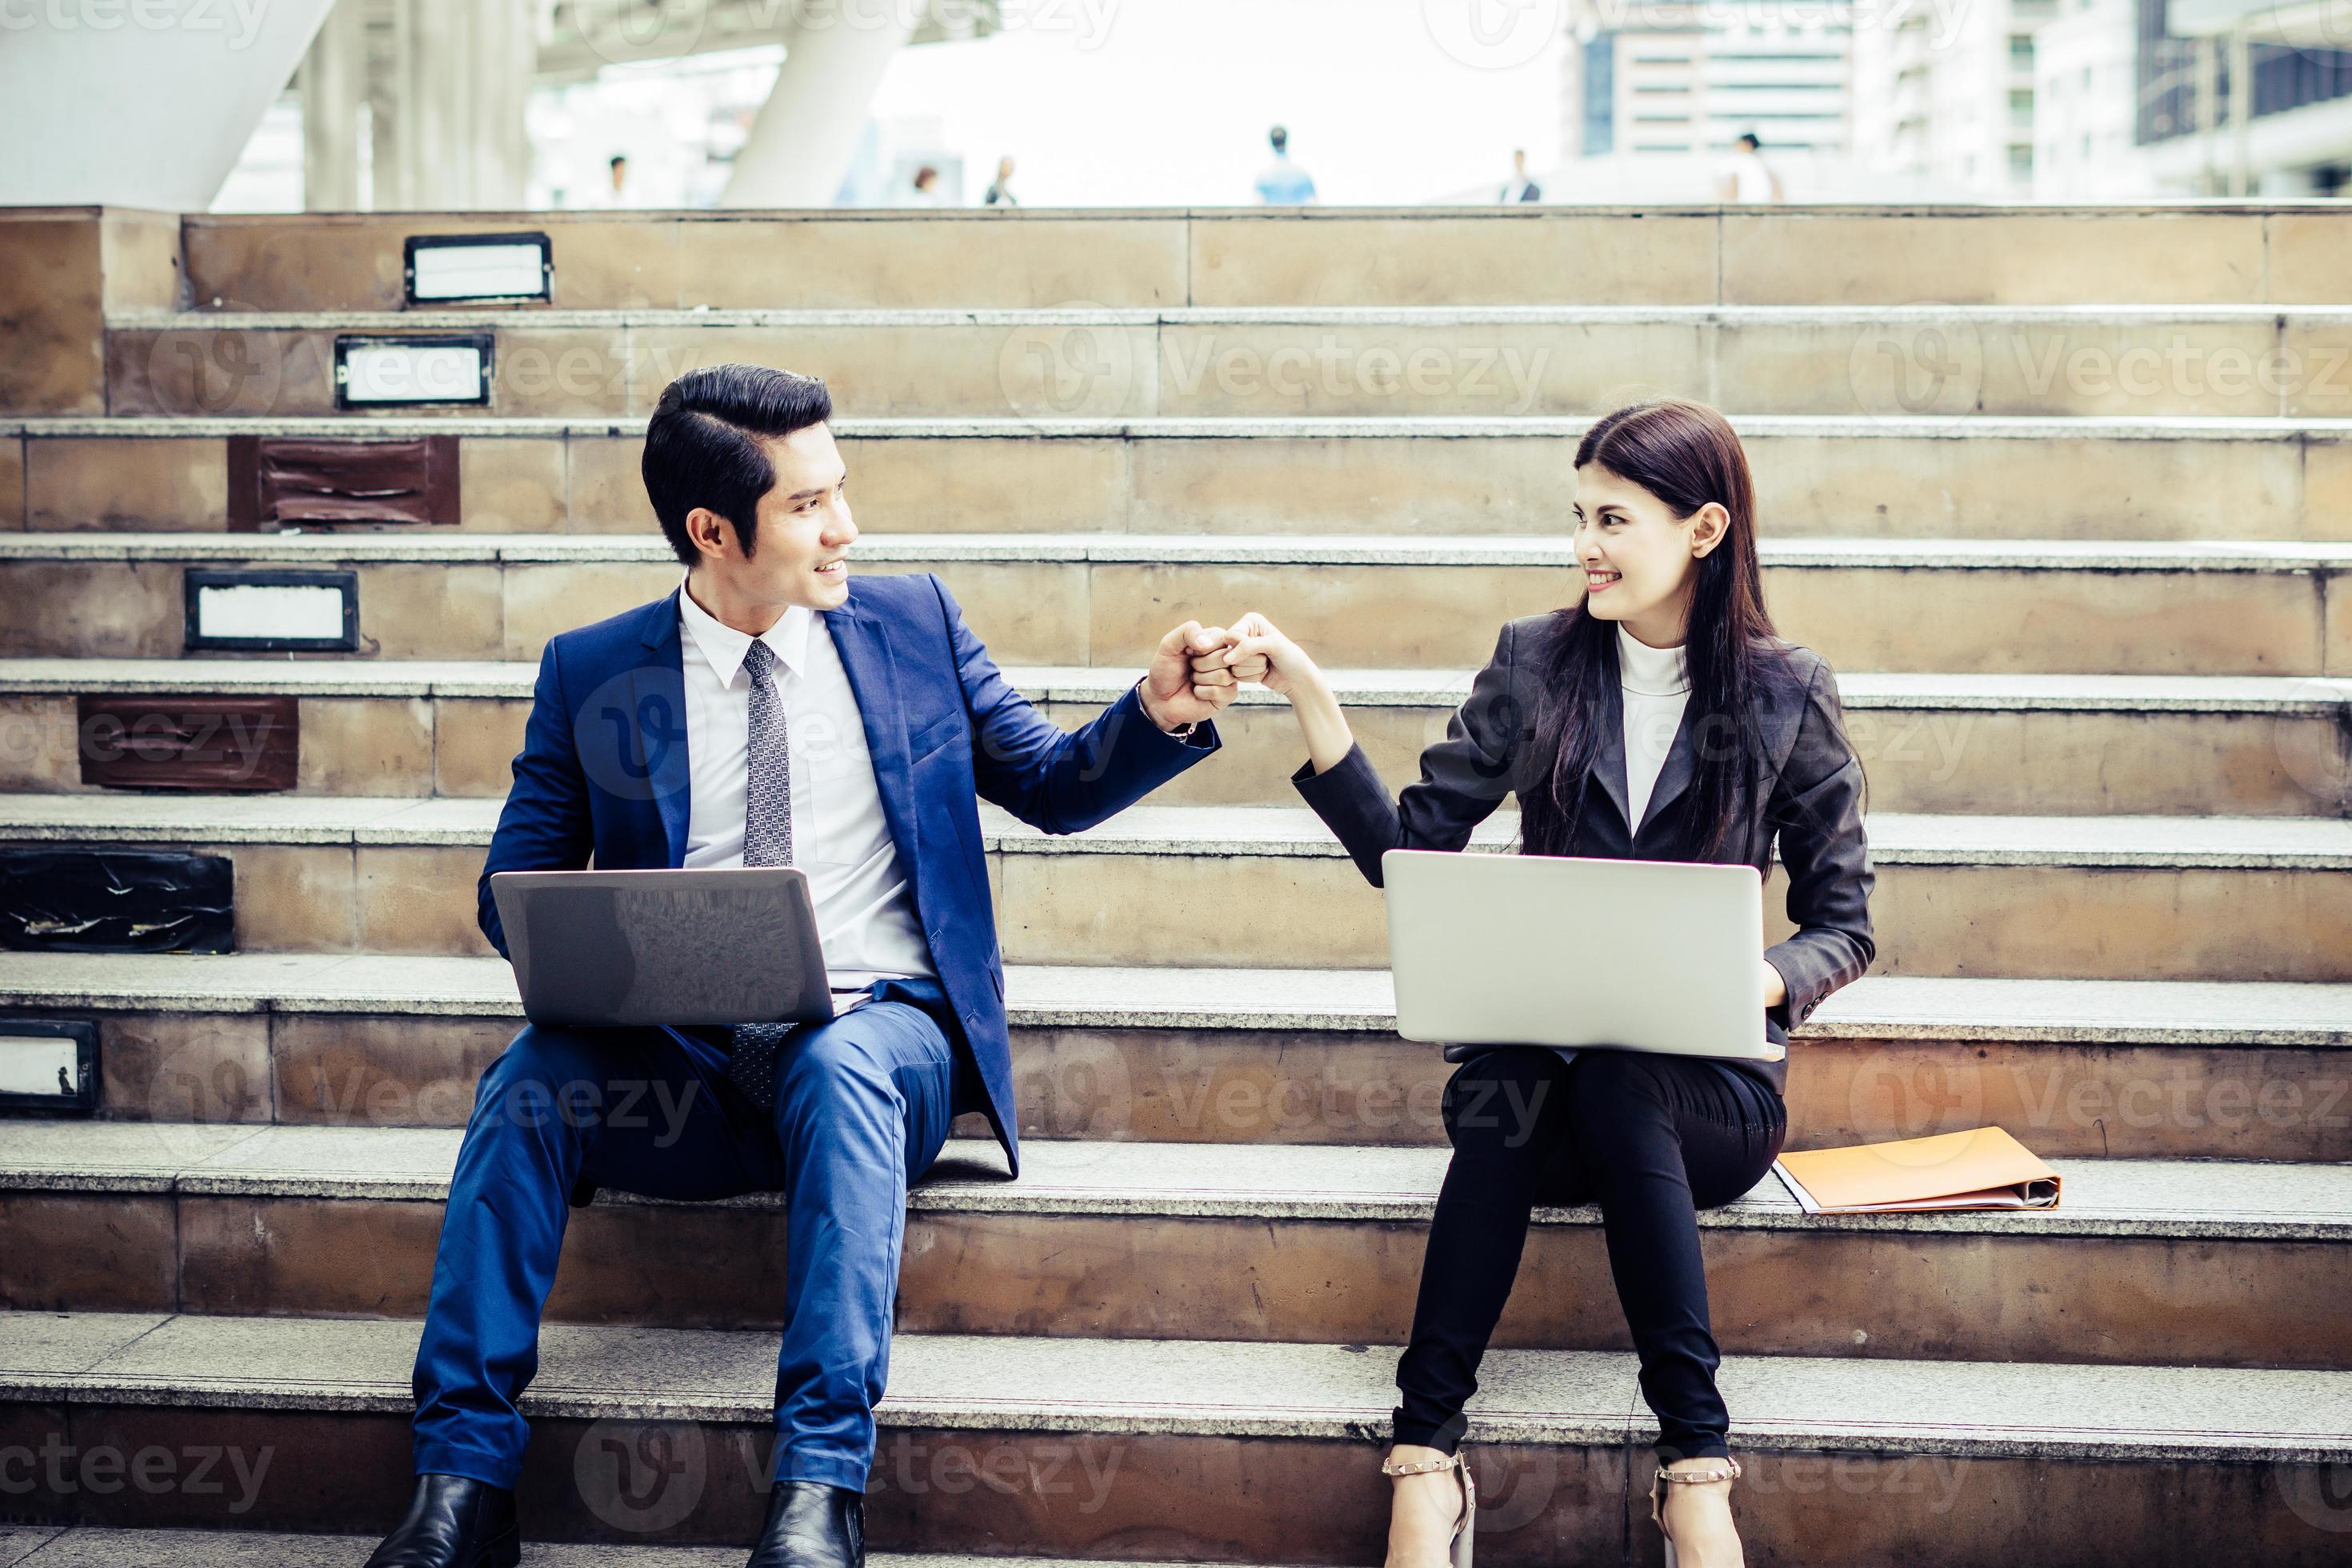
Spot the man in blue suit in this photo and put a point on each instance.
(769, 712)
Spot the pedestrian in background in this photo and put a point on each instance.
(1284, 184)
(1000, 190)
(1520, 187)
(1746, 176)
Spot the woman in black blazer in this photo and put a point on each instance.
(1755, 750)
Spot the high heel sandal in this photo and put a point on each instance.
(1663, 1477)
(1460, 1544)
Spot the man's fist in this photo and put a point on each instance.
(1169, 695)
(1254, 650)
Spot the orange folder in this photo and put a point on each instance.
(1984, 1168)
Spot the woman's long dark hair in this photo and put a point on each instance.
(1686, 455)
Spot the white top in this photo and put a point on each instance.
(865, 906)
(1751, 177)
(1657, 684)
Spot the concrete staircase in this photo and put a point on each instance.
(2067, 497)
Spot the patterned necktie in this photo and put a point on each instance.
(767, 841)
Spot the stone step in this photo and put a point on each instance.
(1948, 606)
(2145, 1261)
(2130, 361)
(2098, 898)
(2097, 1068)
(100, 1546)
(1698, 254)
(1904, 477)
(65, 272)
(1204, 1451)
(2231, 745)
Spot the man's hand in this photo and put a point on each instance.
(1169, 694)
(1255, 651)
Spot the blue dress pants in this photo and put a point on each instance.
(863, 1105)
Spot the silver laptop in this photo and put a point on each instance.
(1646, 955)
(724, 946)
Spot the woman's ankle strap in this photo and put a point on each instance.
(1727, 1469)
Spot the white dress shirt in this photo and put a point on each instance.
(865, 905)
(1656, 686)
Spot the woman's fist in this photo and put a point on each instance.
(1253, 650)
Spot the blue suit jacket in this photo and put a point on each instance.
(603, 770)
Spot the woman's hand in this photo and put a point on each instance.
(1775, 988)
(1256, 651)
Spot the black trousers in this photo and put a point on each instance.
(1652, 1140)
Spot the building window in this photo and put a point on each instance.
(2021, 163)
(1601, 94)
(2166, 75)
(2021, 52)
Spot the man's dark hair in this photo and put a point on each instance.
(702, 445)
(617, 160)
(1280, 137)
(1747, 139)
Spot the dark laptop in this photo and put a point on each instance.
(609, 948)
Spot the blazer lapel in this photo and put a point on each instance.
(1780, 711)
(1609, 760)
(1675, 774)
(658, 713)
(864, 650)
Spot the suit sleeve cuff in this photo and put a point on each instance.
(1201, 740)
(1804, 993)
(1340, 782)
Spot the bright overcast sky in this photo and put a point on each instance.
(1166, 102)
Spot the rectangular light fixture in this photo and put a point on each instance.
(273, 612)
(400, 372)
(443, 268)
(49, 1065)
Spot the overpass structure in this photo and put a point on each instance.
(437, 89)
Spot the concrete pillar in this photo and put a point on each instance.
(2208, 115)
(449, 126)
(804, 135)
(140, 106)
(332, 80)
(387, 182)
(2241, 109)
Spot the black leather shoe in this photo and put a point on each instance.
(453, 1521)
(810, 1525)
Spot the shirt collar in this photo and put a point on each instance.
(725, 647)
(1651, 671)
